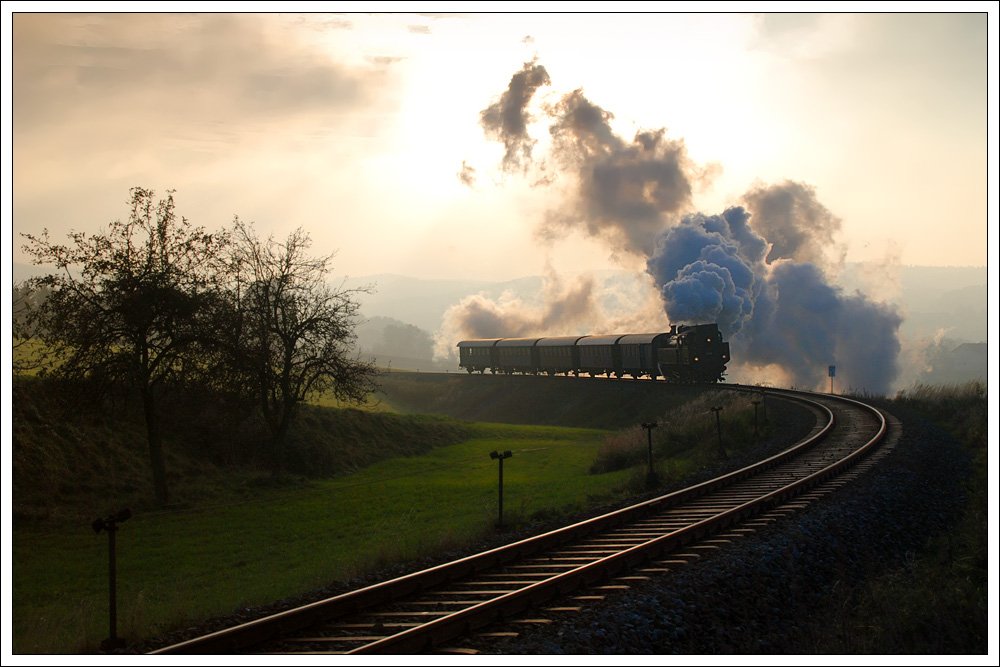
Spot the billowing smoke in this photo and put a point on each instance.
(624, 192)
(467, 174)
(813, 324)
(783, 312)
(563, 311)
(709, 269)
(507, 120)
(793, 221)
(757, 269)
(583, 306)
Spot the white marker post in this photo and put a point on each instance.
(833, 374)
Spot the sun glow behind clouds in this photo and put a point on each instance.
(357, 126)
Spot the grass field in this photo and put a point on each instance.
(293, 539)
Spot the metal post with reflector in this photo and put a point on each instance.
(110, 524)
(500, 456)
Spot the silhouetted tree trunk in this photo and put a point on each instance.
(155, 440)
(290, 334)
(126, 306)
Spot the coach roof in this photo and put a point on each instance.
(599, 340)
(558, 340)
(478, 342)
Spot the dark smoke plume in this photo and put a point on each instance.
(467, 174)
(814, 324)
(710, 269)
(791, 218)
(624, 192)
(755, 270)
(507, 120)
(713, 269)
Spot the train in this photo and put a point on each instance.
(685, 354)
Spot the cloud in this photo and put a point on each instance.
(565, 307)
(784, 313)
(225, 68)
(709, 269)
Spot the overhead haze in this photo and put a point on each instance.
(355, 125)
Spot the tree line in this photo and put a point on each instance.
(154, 303)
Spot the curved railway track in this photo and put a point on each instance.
(420, 611)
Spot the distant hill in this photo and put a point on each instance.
(401, 315)
(396, 344)
(21, 272)
(934, 300)
(937, 300)
(955, 364)
(423, 302)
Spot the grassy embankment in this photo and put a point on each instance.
(369, 488)
(180, 567)
(938, 602)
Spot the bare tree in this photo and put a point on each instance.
(124, 305)
(291, 332)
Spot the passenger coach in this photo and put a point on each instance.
(695, 353)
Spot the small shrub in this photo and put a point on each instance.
(687, 432)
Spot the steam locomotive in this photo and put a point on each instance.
(684, 354)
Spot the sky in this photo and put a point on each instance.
(365, 129)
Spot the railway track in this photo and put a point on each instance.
(430, 608)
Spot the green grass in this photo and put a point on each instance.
(686, 437)
(176, 568)
(367, 488)
(528, 399)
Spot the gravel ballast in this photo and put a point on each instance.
(767, 593)
(762, 594)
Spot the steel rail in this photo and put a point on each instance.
(454, 624)
(466, 620)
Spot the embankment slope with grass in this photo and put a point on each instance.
(370, 489)
(526, 399)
